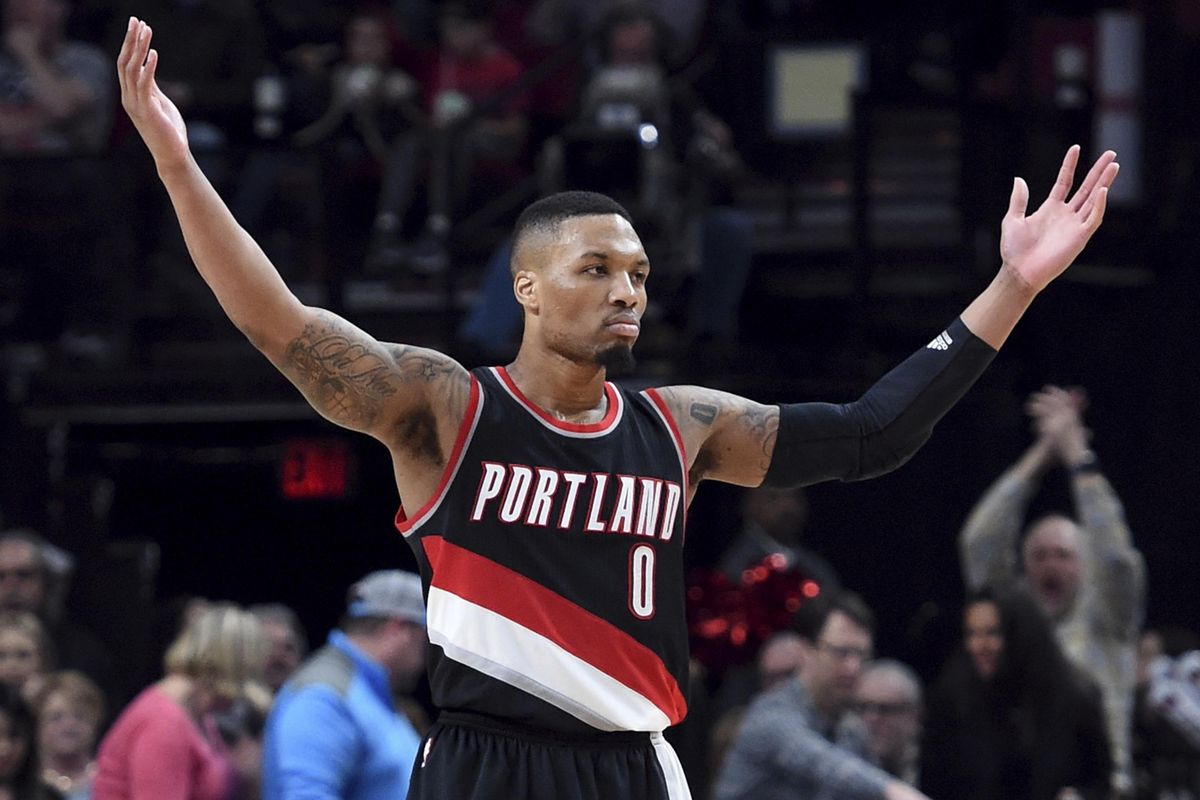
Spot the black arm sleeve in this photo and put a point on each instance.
(887, 425)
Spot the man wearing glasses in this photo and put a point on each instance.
(888, 700)
(801, 739)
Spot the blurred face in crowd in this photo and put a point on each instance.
(780, 512)
(14, 747)
(407, 643)
(888, 705)
(983, 637)
(283, 654)
(633, 44)
(45, 16)
(20, 657)
(367, 42)
(463, 36)
(66, 727)
(780, 658)
(832, 668)
(1053, 565)
(22, 583)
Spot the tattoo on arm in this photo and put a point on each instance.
(738, 435)
(704, 413)
(762, 423)
(344, 379)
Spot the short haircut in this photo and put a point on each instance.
(810, 620)
(79, 690)
(27, 623)
(30, 537)
(223, 646)
(545, 215)
(900, 670)
(285, 616)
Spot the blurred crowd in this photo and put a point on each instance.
(1053, 687)
(355, 141)
(391, 141)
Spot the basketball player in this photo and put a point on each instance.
(546, 506)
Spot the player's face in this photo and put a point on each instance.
(1053, 565)
(983, 637)
(591, 289)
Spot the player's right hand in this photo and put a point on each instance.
(154, 115)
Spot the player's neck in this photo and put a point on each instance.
(570, 391)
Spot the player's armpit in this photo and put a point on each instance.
(362, 384)
(726, 437)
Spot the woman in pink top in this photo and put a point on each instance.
(164, 746)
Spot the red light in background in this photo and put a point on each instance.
(316, 469)
(810, 589)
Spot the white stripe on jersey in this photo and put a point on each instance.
(509, 652)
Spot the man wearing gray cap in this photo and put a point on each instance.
(334, 731)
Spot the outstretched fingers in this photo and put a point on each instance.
(146, 76)
(1019, 199)
(1096, 177)
(132, 61)
(1066, 175)
(1095, 215)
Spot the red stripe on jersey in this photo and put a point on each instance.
(663, 409)
(404, 523)
(581, 633)
(610, 414)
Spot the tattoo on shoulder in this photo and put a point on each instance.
(704, 413)
(344, 378)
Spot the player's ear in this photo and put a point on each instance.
(525, 287)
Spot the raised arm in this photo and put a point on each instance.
(987, 543)
(739, 441)
(344, 373)
(1118, 571)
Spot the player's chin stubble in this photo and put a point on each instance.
(617, 360)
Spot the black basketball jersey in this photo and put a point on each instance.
(552, 558)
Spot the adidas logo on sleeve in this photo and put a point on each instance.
(941, 342)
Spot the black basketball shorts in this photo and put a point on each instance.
(470, 757)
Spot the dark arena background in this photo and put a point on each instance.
(871, 153)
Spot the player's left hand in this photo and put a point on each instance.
(1040, 246)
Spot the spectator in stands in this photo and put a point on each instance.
(288, 644)
(1084, 572)
(57, 98)
(1010, 717)
(69, 710)
(675, 183)
(25, 654)
(26, 585)
(780, 659)
(241, 728)
(56, 95)
(475, 138)
(773, 523)
(221, 54)
(165, 744)
(799, 740)
(888, 699)
(1166, 728)
(334, 731)
(19, 778)
(361, 113)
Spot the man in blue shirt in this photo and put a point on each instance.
(334, 731)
